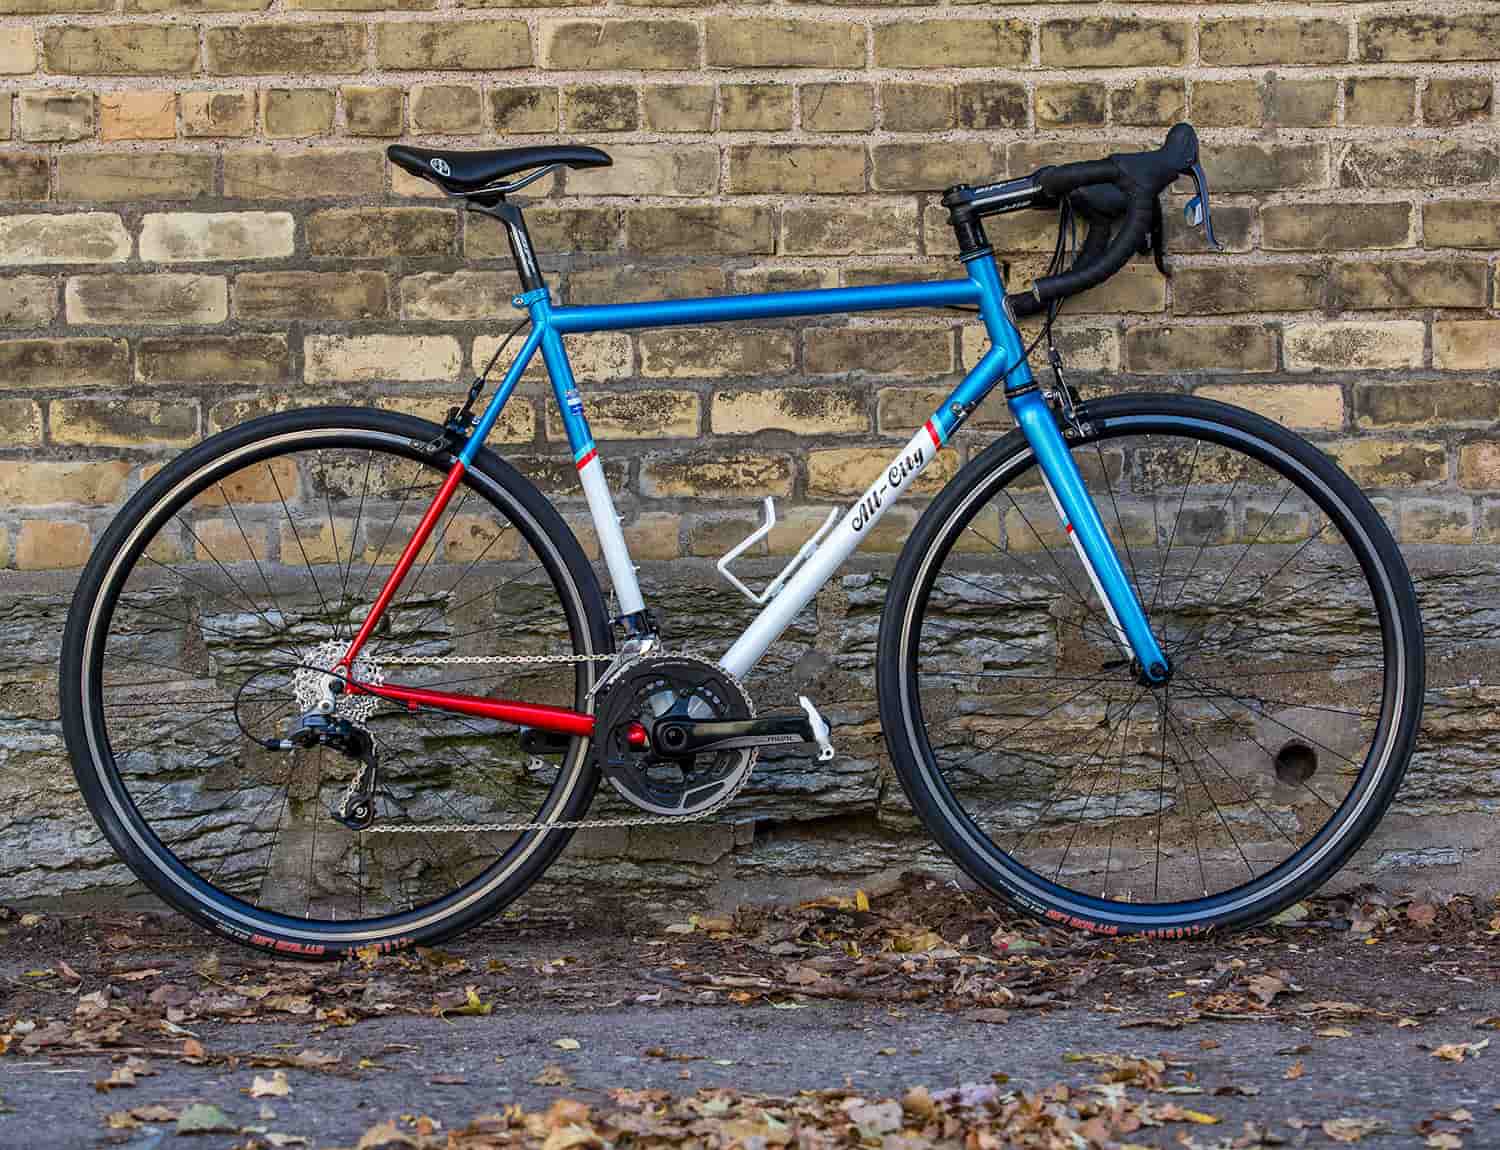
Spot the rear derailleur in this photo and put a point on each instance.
(356, 808)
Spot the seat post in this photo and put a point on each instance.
(521, 250)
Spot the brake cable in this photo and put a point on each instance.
(460, 419)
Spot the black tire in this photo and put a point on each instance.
(1228, 642)
(546, 543)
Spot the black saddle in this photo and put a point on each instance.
(463, 172)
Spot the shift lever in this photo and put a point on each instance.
(1197, 210)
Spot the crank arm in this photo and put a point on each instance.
(682, 738)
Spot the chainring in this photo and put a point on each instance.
(691, 688)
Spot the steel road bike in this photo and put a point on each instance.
(341, 678)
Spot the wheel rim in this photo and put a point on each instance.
(1061, 810)
(243, 567)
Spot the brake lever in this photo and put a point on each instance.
(1197, 210)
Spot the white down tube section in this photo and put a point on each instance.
(775, 617)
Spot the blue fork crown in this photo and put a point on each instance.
(1085, 530)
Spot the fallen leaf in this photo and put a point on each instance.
(1334, 1032)
(1292, 915)
(1351, 1129)
(1266, 987)
(553, 1075)
(1173, 1113)
(156, 1112)
(567, 1044)
(288, 1003)
(118, 1077)
(1421, 913)
(472, 1004)
(1295, 1070)
(384, 1137)
(1443, 1140)
(861, 901)
(1458, 1051)
(202, 1118)
(276, 1086)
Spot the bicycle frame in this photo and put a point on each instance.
(1005, 360)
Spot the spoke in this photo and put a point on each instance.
(364, 487)
(1253, 633)
(442, 863)
(286, 796)
(297, 535)
(437, 607)
(1266, 715)
(1248, 547)
(1083, 810)
(1052, 801)
(1205, 683)
(1235, 608)
(411, 588)
(286, 791)
(1081, 627)
(1124, 534)
(1241, 731)
(1077, 594)
(199, 624)
(1161, 796)
(1015, 558)
(1029, 723)
(222, 598)
(312, 850)
(1114, 818)
(1171, 538)
(1207, 750)
(1202, 546)
(1338, 665)
(389, 531)
(249, 548)
(333, 534)
(1188, 756)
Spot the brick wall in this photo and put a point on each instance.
(198, 225)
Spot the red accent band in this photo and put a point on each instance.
(584, 462)
(932, 431)
(404, 564)
(1069, 527)
(538, 715)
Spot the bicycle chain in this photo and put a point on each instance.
(561, 824)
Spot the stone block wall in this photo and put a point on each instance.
(198, 225)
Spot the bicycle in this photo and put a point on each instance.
(1148, 664)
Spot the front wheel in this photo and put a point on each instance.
(228, 582)
(1056, 779)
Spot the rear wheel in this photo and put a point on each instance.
(1036, 758)
(232, 576)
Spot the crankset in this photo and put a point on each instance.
(679, 735)
(681, 687)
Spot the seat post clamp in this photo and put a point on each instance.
(526, 299)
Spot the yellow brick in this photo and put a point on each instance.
(1305, 406)
(849, 470)
(138, 115)
(46, 544)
